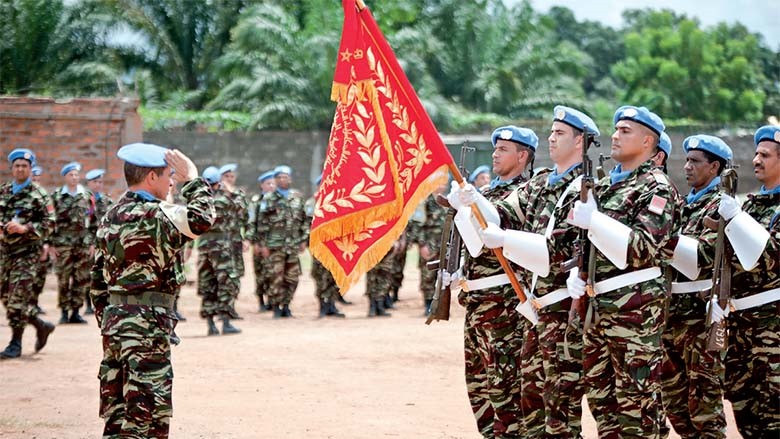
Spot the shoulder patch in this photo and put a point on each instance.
(657, 205)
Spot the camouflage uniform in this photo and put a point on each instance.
(380, 281)
(262, 277)
(238, 221)
(74, 233)
(39, 280)
(692, 377)
(136, 269)
(753, 357)
(493, 339)
(429, 234)
(622, 351)
(217, 275)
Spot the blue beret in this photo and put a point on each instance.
(72, 166)
(640, 115)
(37, 170)
(211, 174)
(231, 167)
(767, 132)
(665, 143)
(94, 174)
(523, 136)
(318, 180)
(282, 169)
(21, 153)
(265, 176)
(575, 119)
(143, 154)
(710, 144)
(475, 173)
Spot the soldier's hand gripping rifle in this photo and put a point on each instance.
(449, 254)
(721, 272)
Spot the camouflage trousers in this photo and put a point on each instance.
(692, 380)
(40, 279)
(492, 344)
(397, 271)
(73, 266)
(217, 279)
(238, 249)
(753, 371)
(16, 290)
(622, 358)
(380, 281)
(427, 279)
(563, 387)
(326, 286)
(284, 267)
(262, 279)
(531, 382)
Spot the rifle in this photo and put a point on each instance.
(717, 336)
(584, 252)
(449, 254)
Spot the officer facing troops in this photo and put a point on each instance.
(753, 230)
(262, 278)
(133, 279)
(26, 220)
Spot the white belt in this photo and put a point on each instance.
(691, 287)
(551, 298)
(624, 280)
(755, 300)
(484, 283)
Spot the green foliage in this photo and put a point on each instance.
(156, 119)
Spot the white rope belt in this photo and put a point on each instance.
(755, 300)
(624, 280)
(484, 283)
(551, 298)
(691, 287)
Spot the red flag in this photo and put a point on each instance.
(384, 154)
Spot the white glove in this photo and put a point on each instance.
(492, 236)
(461, 196)
(582, 213)
(718, 313)
(729, 208)
(448, 278)
(574, 284)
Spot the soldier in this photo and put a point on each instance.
(72, 243)
(217, 275)
(326, 289)
(238, 220)
(262, 279)
(752, 373)
(282, 234)
(133, 290)
(26, 219)
(480, 177)
(380, 280)
(397, 266)
(39, 280)
(691, 376)
(622, 351)
(493, 334)
(100, 203)
(428, 239)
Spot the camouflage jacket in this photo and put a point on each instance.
(102, 203)
(646, 202)
(486, 264)
(32, 207)
(75, 218)
(428, 232)
(239, 215)
(222, 228)
(281, 222)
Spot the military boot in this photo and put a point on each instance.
(227, 328)
(388, 301)
(277, 311)
(428, 303)
(395, 294)
(371, 308)
(64, 317)
(212, 326)
(261, 307)
(75, 317)
(380, 309)
(89, 309)
(286, 310)
(332, 310)
(14, 348)
(324, 308)
(42, 331)
(342, 300)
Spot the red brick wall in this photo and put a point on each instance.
(88, 131)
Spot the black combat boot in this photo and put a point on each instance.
(212, 326)
(395, 294)
(324, 308)
(89, 309)
(371, 307)
(42, 331)
(380, 309)
(388, 301)
(342, 300)
(64, 317)
(286, 310)
(277, 311)
(227, 328)
(332, 310)
(75, 317)
(428, 303)
(14, 348)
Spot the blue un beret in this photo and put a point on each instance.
(94, 174)
(710, 144)
(265, 176)
(37, 170)
(767, 132)
(282, 169)
(523, 136)
(72, 166)
(475, 173)
(640, 115)
(143, 154)
(211, 174)
(21, 153)
(665, 143)
(575, 119)
(230, 167)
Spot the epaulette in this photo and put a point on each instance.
(542, 170)
(659, 176)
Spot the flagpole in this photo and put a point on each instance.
(496, 251)
(360, 5)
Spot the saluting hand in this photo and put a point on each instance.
(183, 168)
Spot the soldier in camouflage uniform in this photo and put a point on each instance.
(632, 225)
(39, 281)
(26, 219)
(100, 204)
(397, 273)
(135, 273)
(326, 289)
(691, 376)
(238, 221)
(380, 281)
(427, 236)
(72, 243)
(753, 357)
(217, 275)
(493, 332)
(262, 277)
(282, 234)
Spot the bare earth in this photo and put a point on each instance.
(298, 378)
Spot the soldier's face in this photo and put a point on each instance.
(283, 181)
(21, 170)
(563, 143)
(268, 185)
(96, 185)
(72, 178)
(36, 178)
(229, 177)
(161, 184)
(630, 141)
(508, 158)
(482, 179)
(698, 171)
(766, 164)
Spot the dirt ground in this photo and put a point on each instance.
(294, 378)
